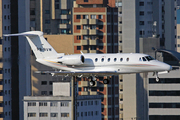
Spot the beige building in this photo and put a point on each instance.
(178, 38)
(42, 84)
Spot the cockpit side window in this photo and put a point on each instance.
(144, 59)
(149, 58)
(140, 59)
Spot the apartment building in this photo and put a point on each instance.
(95, 30)
(178, 29)
(15, 75)
(51, 17)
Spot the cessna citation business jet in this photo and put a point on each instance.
(90, 65)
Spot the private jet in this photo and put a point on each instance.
(90, 65)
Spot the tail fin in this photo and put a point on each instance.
(41, 48)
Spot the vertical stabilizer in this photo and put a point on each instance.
(41, 48)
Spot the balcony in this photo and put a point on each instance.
(93, 93)
(1, 65)
(64, 16)
(92, 32)
(92, 51)
(1, 87)
(84, 42)
(1, 109)
(85, 32)
(84, 83)
(84, 21)
(64, 26)
(84, 93)
(92, 42)
(92, 21)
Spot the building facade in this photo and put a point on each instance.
(15, 58)
(56, 107)
(164, 96)
(51, 17)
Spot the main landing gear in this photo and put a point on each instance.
(93, 79)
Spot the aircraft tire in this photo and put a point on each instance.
(105, 81)
(92, 83)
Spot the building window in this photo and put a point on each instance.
(32, 12)
(85, 0)
(85, 16)
(96, 102)
(85, 103)
(50, 93)
(78, 27)
(96, 113)
(141, 3)
(50, 82)
(93, 47)
(42, 103)
(93, 26)
(54, 114)
(141, 13)
(78, 47)
(43, 82)
(93, 16)
(141, 32)
(64, 31)
(47, 21)
(85, 37)
(43, 92)
(100, 16)
(53, 104)
(57, 6)
(64, 21)
(64, 104)
(141, 22)
(31, 114)
(100, 26)
(78, 16)
(43, 114)
(81, 114)
(85, 27)
(31, 104)
(78, 37)
(47, 11)
(64, 12)
(85, 114)
(118, 4)
(64, 114)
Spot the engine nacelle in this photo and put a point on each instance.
(72, 59)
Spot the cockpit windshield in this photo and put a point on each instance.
(149, 58)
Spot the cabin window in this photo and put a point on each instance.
(140, 59)
(96, 60)
(121, 59)
(143, 59)
(115, 59)
(127, 59)
(109, 59)
(102, 60)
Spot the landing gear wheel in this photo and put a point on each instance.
(105, 81)
(91, 83)
(157, 79)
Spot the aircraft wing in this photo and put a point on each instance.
(78, 73)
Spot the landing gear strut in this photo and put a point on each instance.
(156, 75)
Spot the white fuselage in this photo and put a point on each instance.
(120, 63)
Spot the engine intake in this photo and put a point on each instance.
(72, 59)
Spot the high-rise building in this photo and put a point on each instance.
(15, 58)
(51, 17)
(142, 19)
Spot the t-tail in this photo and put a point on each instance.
(41, 48)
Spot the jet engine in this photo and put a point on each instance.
(72, 59)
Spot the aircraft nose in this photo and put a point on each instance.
(168, 67)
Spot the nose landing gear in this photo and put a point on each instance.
(156, 75)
